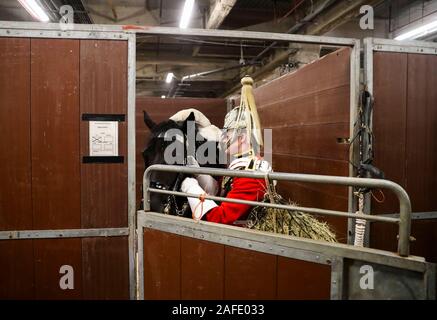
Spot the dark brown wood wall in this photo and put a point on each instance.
(405, 128)
(16, 267)
(308, 110)
(178, 267)
(45, 87)
(162, 109)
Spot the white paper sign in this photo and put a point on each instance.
(103, 138)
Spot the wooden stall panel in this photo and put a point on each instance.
(105, 268)
(331, 71)
(16, 257)
(162, 265)
(405, 122)
(162, 109)
(249, 275)
(389, 121)
(308, 112)
(55, 132)
(178, 267)
(421, 152)
(202, 269)
(50, 280)
(16, 269)
(103, 90)
(15, 168)
(299, 280)
(421, 133)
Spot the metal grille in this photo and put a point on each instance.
(80, 14)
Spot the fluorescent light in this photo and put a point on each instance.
(169, 77)
(186, 14)
(162, 97)
(418, 32)
(35, 10)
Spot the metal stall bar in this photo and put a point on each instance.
(429, 215)
(388, 45)
(353, 154)
(96, 32)
(54, 29)
(404, 201)
(333, 254)
(63, 233)
(131, 180)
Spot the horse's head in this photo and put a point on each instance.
(155, 154)
(170, 143)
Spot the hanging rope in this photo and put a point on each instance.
(202, 200)
(360, 224)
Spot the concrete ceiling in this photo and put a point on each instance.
(215, 66)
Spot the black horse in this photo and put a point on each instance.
(155, 153)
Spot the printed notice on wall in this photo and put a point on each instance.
(103, 138)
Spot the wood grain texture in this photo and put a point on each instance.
(308, 111)
(178, 267)
(421, 128)
(406, 150)
(50, 255)
(318, 140)
(162, 265)
(331, 71)
(202, 269)
(249, 275)
(299, 280)
(16, 269)
(15, 168)
(103, 84)
(55, 131)
(105, 268)
(389, 121)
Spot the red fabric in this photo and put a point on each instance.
(243, 189)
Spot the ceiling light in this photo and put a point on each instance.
(169, 77)
(186, 14)
(418, 32)
(35, 10)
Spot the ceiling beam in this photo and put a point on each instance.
(219, 12)
(325, 21)
(180, 60)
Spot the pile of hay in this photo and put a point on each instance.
(290, 222)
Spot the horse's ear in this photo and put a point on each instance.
(191, 117)
(148, 121)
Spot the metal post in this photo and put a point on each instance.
(353, 151)
(337, 278)
(131, 161)
(140, 258)
(368, 81)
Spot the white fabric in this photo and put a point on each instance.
(190, 185)
(206, 129)
(199, 117)
(206, 182)
(210, 133)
